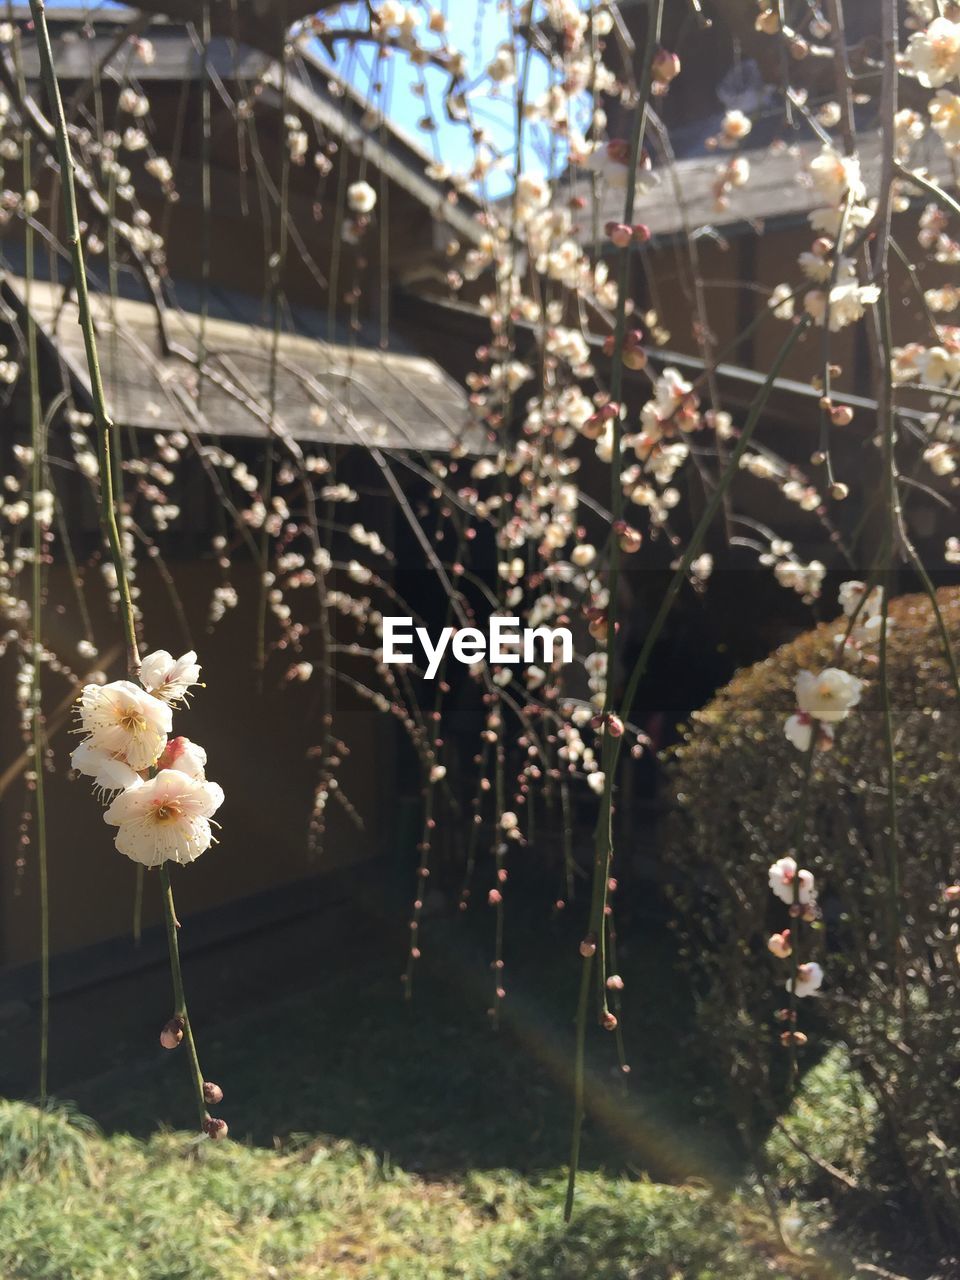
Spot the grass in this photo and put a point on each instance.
(119, 1207)
(371, 1138)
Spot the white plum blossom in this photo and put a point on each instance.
(809, 979)
(852, 593)
(502, 68)
(781, 877)
(735, 128)
(109, 772)
(846, 306)
(944, 109)
(361, 197)
(167, 677)
(125, 722)
(829, 696)
(799, 730)
(835, 176)
(935, 53)
(166, 819)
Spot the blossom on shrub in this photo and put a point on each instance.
(829, 696)
(799, 731)
(781, 876)
(852, 593)
(778, 944)
(809, 979)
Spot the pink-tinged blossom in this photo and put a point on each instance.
(182, 754)
(124, 722)
(809, 979)
(167, 677)
(778, 944)
(781, 878)
(165, 819)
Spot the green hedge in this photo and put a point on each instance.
(737, 785)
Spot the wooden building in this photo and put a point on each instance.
(195, 341)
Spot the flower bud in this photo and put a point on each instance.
(619, 233)
(609, 1021)
(841, 415)
(588, 947)
(215, 1128)
(779, 945)
(631, 540)
(172, 1033)
(615, 982)
(666, 66)
(787, 1038)
(212, 1093)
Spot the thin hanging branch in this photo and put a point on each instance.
(108, 517)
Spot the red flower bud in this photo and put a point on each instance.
(619, 233)
(215, 1128)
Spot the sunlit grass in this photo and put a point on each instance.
(75, 1204)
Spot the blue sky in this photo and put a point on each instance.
(476, 27)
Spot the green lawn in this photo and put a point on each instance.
(74, 1204)
(373, 1138)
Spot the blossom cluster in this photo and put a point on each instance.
(159, 798)
(795, 887)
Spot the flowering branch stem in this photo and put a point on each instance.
(603, 840)
(611, 746)
(108, 517)
(101, 416)
(179, 997)
(37, 444)
(710, 511)
(884, 364)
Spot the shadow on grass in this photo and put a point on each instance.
(306, 1030)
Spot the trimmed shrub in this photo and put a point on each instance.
(891, 993)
